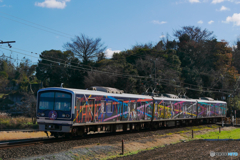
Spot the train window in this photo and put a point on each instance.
(103, 106)
(46, 100)
(109, 107)
(62, 101)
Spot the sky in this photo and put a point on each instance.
(39, 25)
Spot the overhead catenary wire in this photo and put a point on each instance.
(144, 76)
(70, 37)
(111, 73)
(36, 24)
(116, 74)
(36, 27)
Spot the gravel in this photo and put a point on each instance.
(80, 153)
(51, 148)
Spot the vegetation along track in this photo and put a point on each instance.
(56, 145)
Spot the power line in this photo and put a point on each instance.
(36, 27)
(36, 24)
(120, 75)
(115, 74)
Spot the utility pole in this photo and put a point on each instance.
(8, 42)
(155, 75)
(155, 85)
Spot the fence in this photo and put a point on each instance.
(228, 120)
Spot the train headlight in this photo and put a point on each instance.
(42, 114)
(63, 115)
(67, 115)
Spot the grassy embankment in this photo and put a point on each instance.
(233, 134)
(200, 132)
(8, 122)
(156, 141)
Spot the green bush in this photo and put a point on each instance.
(3, 74)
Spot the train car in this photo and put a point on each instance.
(66, 111)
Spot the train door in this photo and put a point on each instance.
(90, 109)
(143, 110)
(77, 109)
(155, 110)
(135, 115)
(192, 108)
(199, 110)
(220, 110)
(179, 110)
(102, 110)
(167, 109)
(209, 110)
(119, 110)
(172, 109)
(149, 110)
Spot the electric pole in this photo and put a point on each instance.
(8, 42)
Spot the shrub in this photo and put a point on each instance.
(3, 74)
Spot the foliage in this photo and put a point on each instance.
(195, 64)
(66, 71)
(3, 74)
(8, 122)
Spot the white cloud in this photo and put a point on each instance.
(223, 8)
(157, 22)
(162, 36)
(109, 52)
(60, 4)
(200, 22)
(217, 1)
(210, 22)
(235, 19)
(1, 0)
(5, 5)
(194, 1)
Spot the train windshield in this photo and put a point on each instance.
(55, 101)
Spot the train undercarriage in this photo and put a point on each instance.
(82, 130)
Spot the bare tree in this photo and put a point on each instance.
(28, 106)
(85, 48)
(194, 33)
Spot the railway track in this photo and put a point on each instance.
(39, 141)
(28, 148)
(24, 142)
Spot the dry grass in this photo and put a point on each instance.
(8, 122)
(4, 136)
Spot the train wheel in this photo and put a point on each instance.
(68, 135)
(55, 135)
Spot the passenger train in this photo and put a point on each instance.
(66, 111)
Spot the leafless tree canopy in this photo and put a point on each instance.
(194, 33)
(85, 48)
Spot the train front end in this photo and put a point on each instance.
(54, 110)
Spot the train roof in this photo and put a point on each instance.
(93, 92)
